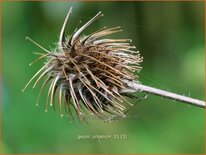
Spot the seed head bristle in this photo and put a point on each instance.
(88, 73)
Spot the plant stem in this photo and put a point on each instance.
(135, 86)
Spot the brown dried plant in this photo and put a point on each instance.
(88, 73)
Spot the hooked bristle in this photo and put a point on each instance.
(88, 74)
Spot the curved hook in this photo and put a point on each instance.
(80, 30)
(61, 36)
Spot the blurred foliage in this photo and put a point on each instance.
(170, 36)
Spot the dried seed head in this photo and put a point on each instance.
(88, 73)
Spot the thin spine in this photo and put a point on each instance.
(42, 87)
(60, 100)
(85, 26)
(61, 36)
(27, 38)
(34, 77)
(53, 88)
(41, 76)
(48, 94)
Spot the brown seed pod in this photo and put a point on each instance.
(88, 72)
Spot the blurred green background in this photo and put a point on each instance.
(170, 37)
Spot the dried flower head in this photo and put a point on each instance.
(87, 72)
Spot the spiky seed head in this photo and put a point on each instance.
(87, 73)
